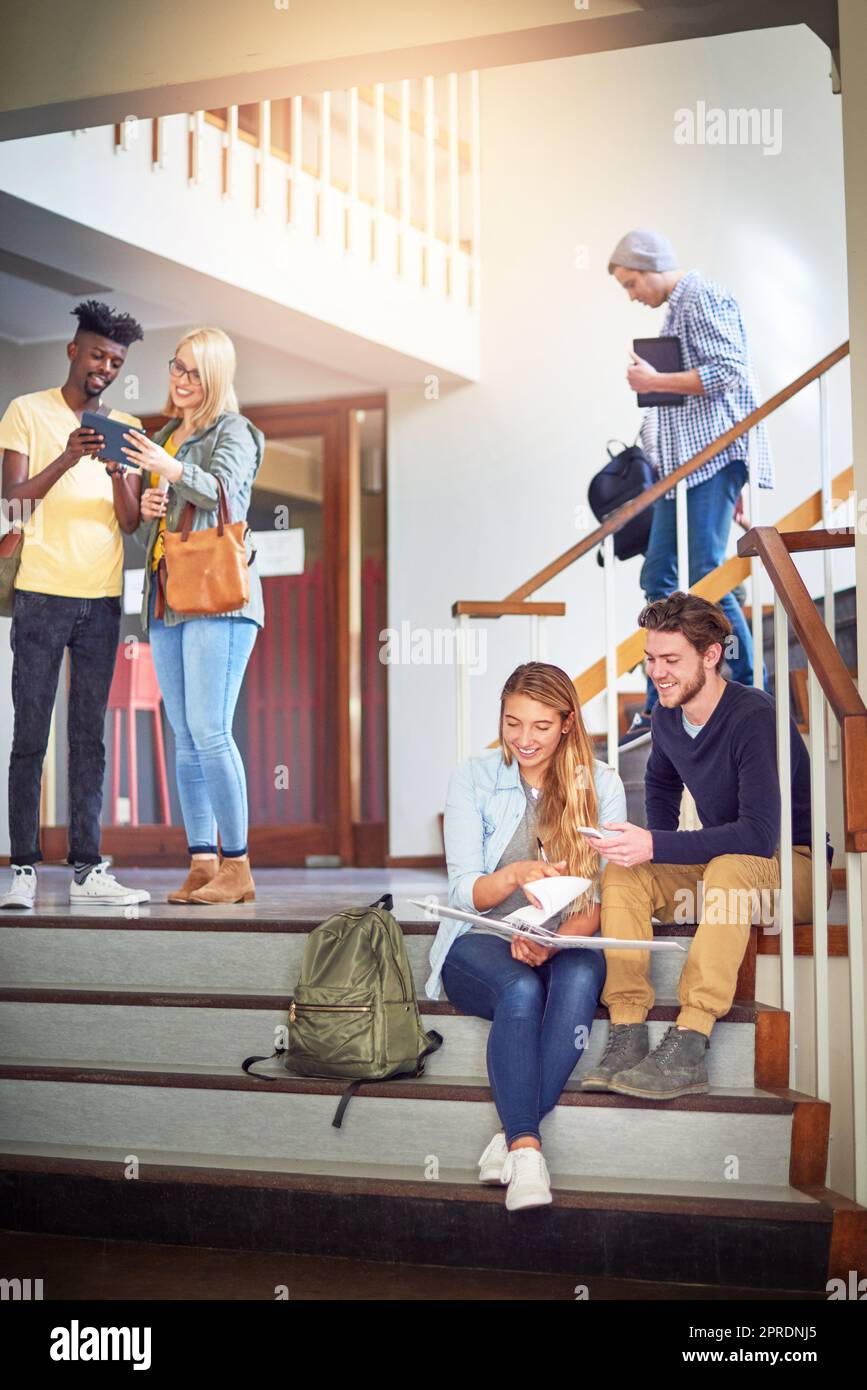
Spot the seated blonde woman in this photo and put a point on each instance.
(540, 784)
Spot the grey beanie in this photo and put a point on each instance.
(642, 249)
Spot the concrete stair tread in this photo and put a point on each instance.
(742, 1011)
(426, 1086)
(13, 1155)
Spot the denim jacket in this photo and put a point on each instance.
(484, 807)
(230, 449)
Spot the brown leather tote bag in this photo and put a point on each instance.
(207, 571)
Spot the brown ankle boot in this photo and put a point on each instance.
(232, 884)
(201, 872)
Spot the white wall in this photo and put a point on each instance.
(485, 481)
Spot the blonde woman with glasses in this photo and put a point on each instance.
(200, 661)
(507, 813)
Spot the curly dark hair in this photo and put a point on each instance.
(95, 317)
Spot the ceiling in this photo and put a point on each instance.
(158, 57)
(32, 311)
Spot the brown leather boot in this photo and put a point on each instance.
(201, 872)
(233, 883)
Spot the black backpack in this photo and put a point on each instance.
(627, 475)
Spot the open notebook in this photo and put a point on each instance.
(554, 893)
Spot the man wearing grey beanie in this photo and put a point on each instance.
(719, 389)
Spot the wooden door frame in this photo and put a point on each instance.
(278, 422)
(360, 844)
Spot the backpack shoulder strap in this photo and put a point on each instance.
(434, 1040)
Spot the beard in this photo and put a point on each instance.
(687, 690)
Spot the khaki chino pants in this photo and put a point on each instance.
(738, 889)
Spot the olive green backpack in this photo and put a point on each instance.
(354, 1013)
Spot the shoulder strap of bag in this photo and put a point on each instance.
(223, 518)
(435, 1042)
(10, 543)
(623, 447)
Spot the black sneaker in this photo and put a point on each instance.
(638, 729)
(676, 1067)
(628, 1044)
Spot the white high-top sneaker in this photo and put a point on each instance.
(526, 1172)
(101, 889)
(492, 1160)
(22, 893)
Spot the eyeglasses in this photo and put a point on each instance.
(177, 369)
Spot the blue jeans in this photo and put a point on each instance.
(536, 1012)
(200, 664)
(709, 508)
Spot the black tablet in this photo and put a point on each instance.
(113, 432)
(665, 355)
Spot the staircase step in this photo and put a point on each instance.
(762, 1237)
(213, 954)
(125, 1028)
(220, 1111)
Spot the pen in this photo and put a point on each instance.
(542, 850)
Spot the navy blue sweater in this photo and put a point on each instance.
(730, 768)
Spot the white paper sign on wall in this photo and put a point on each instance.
(279, 552)
(133, 586)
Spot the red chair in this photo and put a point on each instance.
(134, 687)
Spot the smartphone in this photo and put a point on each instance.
(597, 834)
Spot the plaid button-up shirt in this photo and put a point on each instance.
(708, 323)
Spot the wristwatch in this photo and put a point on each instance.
(115, 469)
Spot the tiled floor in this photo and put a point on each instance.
(75, 1268)
(303, 893)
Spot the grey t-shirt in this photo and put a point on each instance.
(691, 729)
(523, 845)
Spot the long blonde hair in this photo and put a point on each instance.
(568, 792)
(214, 355)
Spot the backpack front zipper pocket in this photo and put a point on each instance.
(335, 1035)
(352, 1008)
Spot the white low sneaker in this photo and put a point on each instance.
(101, 889)
(22, 893)
(526, 1172)
(492, 1160)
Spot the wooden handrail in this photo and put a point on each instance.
(481, 608)
(840, 690)
(841, 539)
(713, 587)
(617, 520)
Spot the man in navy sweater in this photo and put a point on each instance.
(718, 739)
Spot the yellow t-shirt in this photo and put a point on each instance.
(72, 541)
(160, 544)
